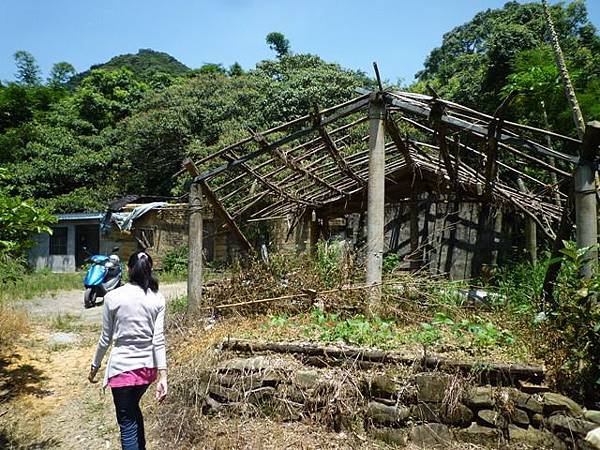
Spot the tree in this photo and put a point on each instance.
(19, 220)
(235, 70)
(28, 72)
(212, 68)
(61, 73)
(475, 59)
(278, 42)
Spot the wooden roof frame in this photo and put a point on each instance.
(321, 158)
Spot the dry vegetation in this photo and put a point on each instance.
(13, 323)
(313, 301)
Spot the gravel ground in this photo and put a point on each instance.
(71, 303)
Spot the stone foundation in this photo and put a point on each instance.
(399, 406)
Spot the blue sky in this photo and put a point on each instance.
(397, 34)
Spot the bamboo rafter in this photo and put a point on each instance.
(321, 159)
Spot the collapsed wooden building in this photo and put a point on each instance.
(446, 187)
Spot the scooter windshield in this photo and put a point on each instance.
(95, 275)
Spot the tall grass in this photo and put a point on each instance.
(41, 282)
(13, 323)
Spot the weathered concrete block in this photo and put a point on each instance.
(291, 392)
(480, 397)
(260, 395)
(307, 379)
(525, 401)
(593, 438)
(532, 388)
(432, 386)
(437, 412)
(535, 438)
(426, 412)
(477, 434)
(537, 420)
(592, 415)
(387, 415)
(211, 406)
(492, 418)
(288, 410)
(560, 422)
(225, 394)
(383, 386)
(257, 363)
(393, 436)
(237, 380)
(554, 402)
(519, 417)
(430, 434)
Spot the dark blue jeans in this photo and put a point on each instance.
(129, 416)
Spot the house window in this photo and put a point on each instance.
(58, 241)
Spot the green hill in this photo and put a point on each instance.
(146, 63)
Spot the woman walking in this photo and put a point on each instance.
(133, 320)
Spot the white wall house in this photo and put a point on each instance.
(63, 250)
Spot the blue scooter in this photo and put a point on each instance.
(103, 275)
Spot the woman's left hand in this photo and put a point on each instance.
(92, 375)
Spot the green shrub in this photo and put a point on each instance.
(357, 330)
(390, 262)
(573, 327)
(329, 262)
(178, 305)
(12, 269)
(176, 260)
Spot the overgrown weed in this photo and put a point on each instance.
(31, 285)
(13, 323)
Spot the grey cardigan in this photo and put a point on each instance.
(134, 323)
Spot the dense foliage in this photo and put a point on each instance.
(507, 49)
(119, 131)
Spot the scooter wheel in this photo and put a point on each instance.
(89, 298)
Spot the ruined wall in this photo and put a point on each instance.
(399, 405)
(158, 231)
(450, 239)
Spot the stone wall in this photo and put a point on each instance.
(426, 409)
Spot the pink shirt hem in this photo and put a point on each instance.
(137, 377)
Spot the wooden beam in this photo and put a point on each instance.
(270, 185)
(491, 166)
(530, 228)
(391, 127)
(481, 129)
(218, 207)
(334, 151)
(293, 165)
(338, 114)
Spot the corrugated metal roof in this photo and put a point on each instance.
(80, 216)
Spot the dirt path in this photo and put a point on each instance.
(71, 303)
(45, 399)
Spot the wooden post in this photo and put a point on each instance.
(313, 232)
(376, 201)
(414, 231)
(194, 283)
(585, 199)
(218, 207)
(531, 239)
(530, 229)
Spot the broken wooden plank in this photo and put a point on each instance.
(499, 370)
(218, 207)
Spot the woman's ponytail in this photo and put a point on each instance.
(140, 271)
